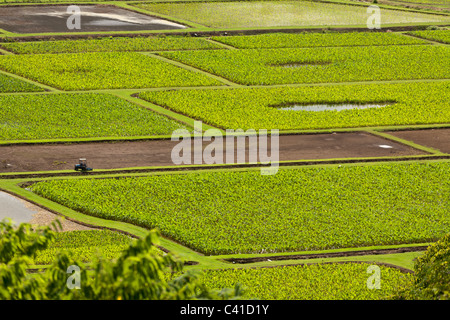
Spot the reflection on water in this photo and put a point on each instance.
(108, 23)
(331, 107)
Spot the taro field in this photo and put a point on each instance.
(359, 139)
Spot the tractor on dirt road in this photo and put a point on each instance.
(82, 166)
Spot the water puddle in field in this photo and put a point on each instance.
(15, 209)
(109, 23)
(92, 18)
(111, 19)
(331, 107)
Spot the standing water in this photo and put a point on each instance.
(330, 107)
(15, 209)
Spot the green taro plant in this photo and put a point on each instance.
(257, 14)
(259, 108)
(102, 70)
(11, 84)
(86, 246)
(303, 40)
(311, 208)
(322, 281)
(53, 116)
(436, 35)
(111, 45)
(321, 65)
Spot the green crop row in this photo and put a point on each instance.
(309, 282)
(102, 70)
(436, 35)
(256, 108)
(85, 245)
(319, 65)
(10, 84)
(51, 116)
(111, 44)
(257, 14)
(308, 208)
(299, 40)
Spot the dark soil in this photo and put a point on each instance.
(433, 138)
(53, 18)
(151, 153)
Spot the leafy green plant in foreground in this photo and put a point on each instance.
(136, 274)
(431, 274)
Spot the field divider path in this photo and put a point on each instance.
(226, 46)
(190, 68)
(437, 43)
(5, 52)
(131, 97)
(41, 85)
(335, 253)
(326, 84)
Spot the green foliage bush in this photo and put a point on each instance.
(138, 273)
(431, 274)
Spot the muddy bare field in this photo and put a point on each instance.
(432, 138)
(54, 18)
(128, 154)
